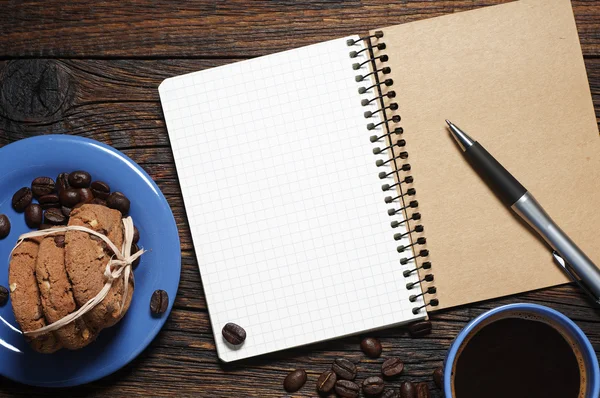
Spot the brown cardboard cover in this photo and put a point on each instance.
(513, 77)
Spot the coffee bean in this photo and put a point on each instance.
(62, 182)
(326, 381)
(392, 367)
(49, 201)
(438, 377)
(408, 390)
(233, 333)
(118, 201)
(371, 347)
(135, 249)
(42, 186)
(33, 215)
(59, 241)
(54, 216)
(159, 302)
(373, 386)
(98, 201)
(347, 389)
(44, 226)
(344, 369)
(69, 197)
(85, 195)
(389, 394)
(419, 329)
(80, 179)
(21, 199)
(294, 380)
(66, 211)
(423, 390)
(3, 295)
(100, 189)
(136, 235)
(4, 226)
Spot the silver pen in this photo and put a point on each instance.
(566, 253)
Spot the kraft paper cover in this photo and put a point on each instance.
(513, 77)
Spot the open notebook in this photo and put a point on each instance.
(308, 227)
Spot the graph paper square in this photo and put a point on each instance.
(284, 202)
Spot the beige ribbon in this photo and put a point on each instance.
(119, 265)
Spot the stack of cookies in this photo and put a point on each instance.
(52, 276)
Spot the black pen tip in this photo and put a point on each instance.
(449, 122)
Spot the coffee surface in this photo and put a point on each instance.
(515, 357)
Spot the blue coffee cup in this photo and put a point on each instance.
(568, 326)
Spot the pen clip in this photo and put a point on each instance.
(569, 270)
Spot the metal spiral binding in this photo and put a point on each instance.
(400, 167)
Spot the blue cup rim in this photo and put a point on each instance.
(586, 347)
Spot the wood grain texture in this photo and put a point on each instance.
(151, 28)
(49, 83)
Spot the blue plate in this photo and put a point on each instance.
(160, 267)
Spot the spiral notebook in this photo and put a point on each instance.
(316, 211)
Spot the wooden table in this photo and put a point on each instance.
(92, 69)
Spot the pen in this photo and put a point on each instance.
(565, 252)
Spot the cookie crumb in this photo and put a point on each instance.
(13, 287)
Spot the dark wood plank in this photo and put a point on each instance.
(151, 28)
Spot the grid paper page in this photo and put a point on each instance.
(283, 198)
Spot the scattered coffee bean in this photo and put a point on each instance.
(54, 216)
(49, 201)
(3, 295)
(118, 201)
(66, 211)
(33, 215)
(233, 333)
(373, 386)
(44, 226)
(344, 369)
(136, 235)
(69, 197)
(371, 347)
(408, 390)
(423, 390)
(59, 241)
(326, 381)
(159, 302)
(62, 182)
(135, 249)
(42, 186)
(389, 394)
(419, 329)
(4, 226)
(85, 195)
(98, 201)
(347, 389)
(294, 380)
(438, 377)
(100, 189)
(392, 367)
(21, 199)
(80, 179)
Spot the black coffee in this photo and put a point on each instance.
(517, 357)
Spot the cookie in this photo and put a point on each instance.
(86, 259)
(56, 293)
(25, 296)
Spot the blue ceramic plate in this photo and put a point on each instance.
(160, 267)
